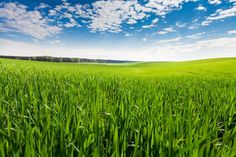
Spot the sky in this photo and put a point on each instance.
(139, 30)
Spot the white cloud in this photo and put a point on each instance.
(70, 13)
(128, 34)
(169, 51)
(201, 8)
(213, 48)
(42, 6)
(144, 39)
(162, 7)
(193, 27)
(102, 15)
(54, 42)
(18, 48)
(110, 15)
(68, 25)
(196, 36)
(152, 24)
(18, 19)
(180, 25)
(220, 14)
(215, 2)
(154, 21)
(66, 10)
(168, 41)
(131, 21)
(148, 26)
(232, 32)
(71, 23)
(166, 30)
(52, 12)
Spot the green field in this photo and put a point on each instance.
(137, 109)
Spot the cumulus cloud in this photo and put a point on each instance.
(99, 16)
(220, 14)
(71, 23)
(131, 21)
(109, 15)
(201, 8)
(102, 15)
(162, 7)
(42, 6)
(68, 11)
(17, 18)
(166, 30)
(232, 32)
(152, 24)
(215, 2)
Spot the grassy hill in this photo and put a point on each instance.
(215, 68)
(136, 109)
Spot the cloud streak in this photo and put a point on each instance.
(18, 19)
(101, 16)
(219, 47)
(220, 14)
(174, 49)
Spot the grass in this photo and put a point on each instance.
(143, 109)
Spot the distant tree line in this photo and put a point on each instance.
(63, 59)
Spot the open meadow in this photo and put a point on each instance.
(136, 109)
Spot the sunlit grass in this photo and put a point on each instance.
(145, 109)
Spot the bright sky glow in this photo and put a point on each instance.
(147, 30)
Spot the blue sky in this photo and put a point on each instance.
(148, 30)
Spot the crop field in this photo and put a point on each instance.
(161, 109)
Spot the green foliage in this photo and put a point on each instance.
(146, 109)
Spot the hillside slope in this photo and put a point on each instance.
(147, 109)
(220, 68)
